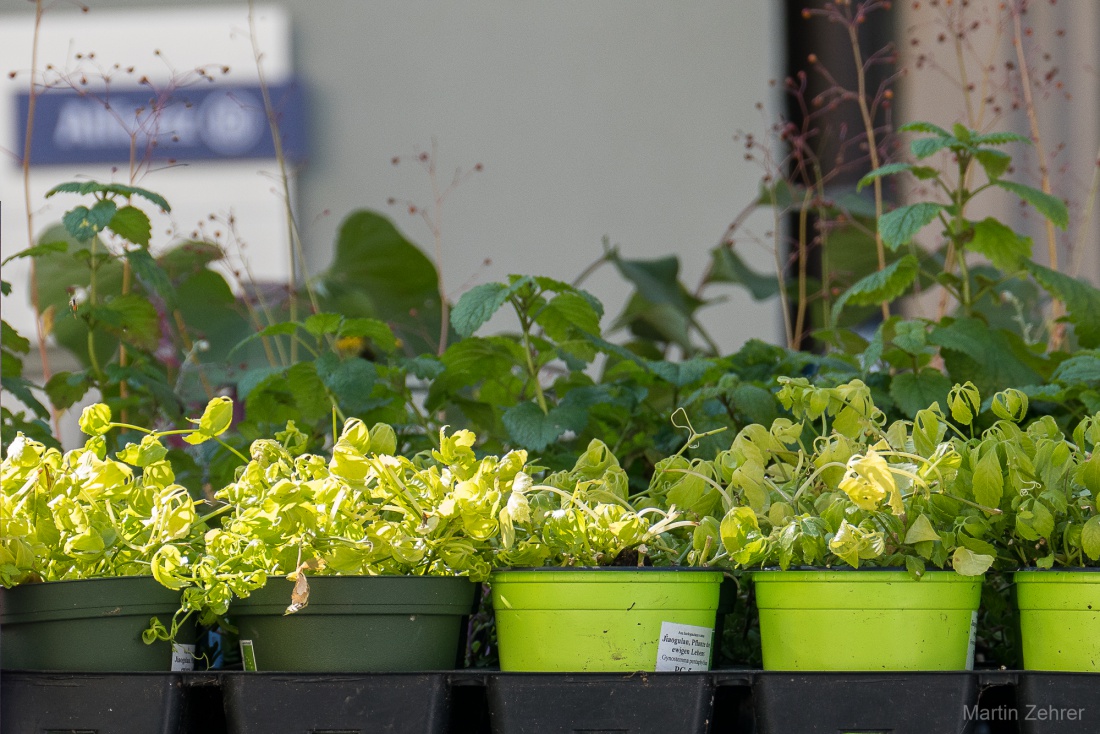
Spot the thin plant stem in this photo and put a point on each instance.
(1057, 310)
(872, 147)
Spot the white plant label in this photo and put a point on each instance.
(183, 657)
(684, 647)
(973, 641)
(248, 656)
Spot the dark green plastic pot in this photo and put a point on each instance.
(91, 625)
(1060, 619)
(873, 619)
(356, 624)
(612, 619)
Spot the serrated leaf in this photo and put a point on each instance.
(44, 248)
(532, 429)
(888, 170)
(131, 317)
(1082, 301)
(924, 127)
(988, 481)
(12, 340)
(83, 223)
(350, 380)
(132, 225)
(883, 285)
(914, 392)
(1049, 206)
(1003, 247)
(477, 305)
(899, 226)
(999, 138)
(924, 147)
(1082, 369)
(319, 324)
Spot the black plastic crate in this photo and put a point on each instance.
(354, 703)
(867, 703)
(90, 703)
(1058, 703)
(600, 703)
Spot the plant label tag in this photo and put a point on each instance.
(973, 641)
(183, 657)
(248, 656)
(684, 647)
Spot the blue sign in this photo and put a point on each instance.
(211, 122)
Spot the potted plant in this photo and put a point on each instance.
(87, 542)
(593, 585)
(87, 548)
(1047, 485)
(846, 523)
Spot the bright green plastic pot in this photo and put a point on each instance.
(356, 624)
(91, 625)
(1060, 619)
(866, 620)
(605, 619)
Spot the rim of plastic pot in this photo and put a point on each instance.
(54, 600)
(678, 569)
(356, 595)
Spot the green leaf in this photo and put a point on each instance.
(682, 373)
(999, 138)
(1078, 369)
(44, 248)
(11, 339)
(992, 359)
(1049, 206)
(130, 317)
(994, 162)
(95, 420)
(968, 563)
(914, 392)
(94, 187)
(888, 170)
(921, 530)
(320, 324)
(755, 403)
(1003, 247)
(530, 428)
(1090, 538)
(65, 389)
(132, 225)
(350, 380)
(883, 285)
(1082, 302)
(372, 329)
(566, 312)
(215, 420)
(477, 305)
(151, 276)
(84, 223)
(924, 127)
(988, 482)
(924, 147)
(726, 266)
(658, 282)
(378, 273)
(899, 226)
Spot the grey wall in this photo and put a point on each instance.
(610, 119)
